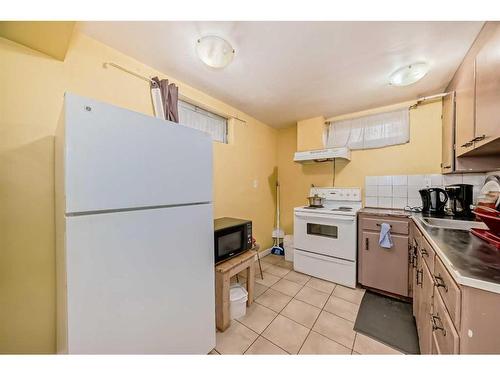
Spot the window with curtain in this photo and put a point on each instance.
(374, 131)
(201, 119)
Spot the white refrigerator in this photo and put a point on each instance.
(134, 233)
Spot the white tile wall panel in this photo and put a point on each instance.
(384, 202)
(384, 191)
(399, 180)
(398, 202)
(400, 191)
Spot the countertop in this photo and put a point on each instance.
(470, 260)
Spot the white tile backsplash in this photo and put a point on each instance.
(450, 179)
(384, 180)
(371, 202)
(384, 202)
(399, 180)
(402, 190)
(416, 180)
(413, 191)
(384, 191)
(474, 179)
(371, 191)
(436, 180)
(398, 202)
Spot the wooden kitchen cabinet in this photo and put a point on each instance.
(379, 268)
(487, 126)
(422, 302)
(476, 84)
(448, 134)
(464, 102)
(385, 269)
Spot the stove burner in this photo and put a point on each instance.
(313, 207)
(342, 208)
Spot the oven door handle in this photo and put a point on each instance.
(327, 217)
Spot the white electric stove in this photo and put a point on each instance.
(325, 238)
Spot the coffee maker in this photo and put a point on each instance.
(433, 201)
(460, 199)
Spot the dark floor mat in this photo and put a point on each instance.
(388, 320)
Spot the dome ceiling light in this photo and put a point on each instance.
(410, 74)
(214, 51)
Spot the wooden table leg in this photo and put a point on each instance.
(222, 320)
(250, 281)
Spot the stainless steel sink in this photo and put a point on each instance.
(453, 224)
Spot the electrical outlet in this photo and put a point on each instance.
(255, 184)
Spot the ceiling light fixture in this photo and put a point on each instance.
(410, 74)
(214, 51)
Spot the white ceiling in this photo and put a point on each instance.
(286, 71)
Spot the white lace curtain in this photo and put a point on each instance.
(374, 131)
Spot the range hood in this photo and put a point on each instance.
(326, 154)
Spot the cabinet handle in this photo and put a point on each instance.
(367, 244)
(480, 138)
(440, 283)
(378, 225)
(419, 272)
(447, 167)
(467, 144)
(435, 326)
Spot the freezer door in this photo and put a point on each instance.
(141, 282)
(116, 158)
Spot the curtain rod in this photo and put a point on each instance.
(105, 65)
(389, 108)
(425, 98)
(183, 97)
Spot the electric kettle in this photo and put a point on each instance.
(433, 200)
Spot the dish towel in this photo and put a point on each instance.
(385, 239)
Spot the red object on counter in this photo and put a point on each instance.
(492, 220)
(487, 236)
(491, 217)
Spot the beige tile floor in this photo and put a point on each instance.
(294, 313)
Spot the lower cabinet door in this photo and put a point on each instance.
(443, 330)
(384, 269)
(425, 310)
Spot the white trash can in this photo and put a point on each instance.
(238, 297)
(288, 245)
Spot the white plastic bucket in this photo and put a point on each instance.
(238, 297)
(288, 245)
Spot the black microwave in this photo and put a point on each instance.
(231, 237)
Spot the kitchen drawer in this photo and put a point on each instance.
(397, 226)
(428, 253)
(448, 290)
(444, 334)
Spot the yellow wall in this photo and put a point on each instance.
(31, 94)
(421, 155)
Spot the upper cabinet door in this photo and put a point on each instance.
(488, 90)
(448, 154)
(464, 97)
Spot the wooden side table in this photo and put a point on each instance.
(223, 273)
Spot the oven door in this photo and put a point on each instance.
(331, 235)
